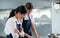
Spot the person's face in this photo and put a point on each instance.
(29, 11)
(19, 15)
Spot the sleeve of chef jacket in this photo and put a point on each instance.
(9, 28)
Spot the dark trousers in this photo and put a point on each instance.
(9, 36)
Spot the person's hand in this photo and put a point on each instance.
(21, 29)
(21, 33)
(15, 30)
(29, 36)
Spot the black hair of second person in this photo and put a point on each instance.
(29, 6)
(21, 9)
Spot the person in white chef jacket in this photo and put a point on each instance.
(11, 28)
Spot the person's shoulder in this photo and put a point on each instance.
(26, 17)
(31, 16)
(10, 19)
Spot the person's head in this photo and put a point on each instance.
(19, 12)
(29, 6)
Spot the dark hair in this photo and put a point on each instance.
(12, 13)
(21, 9)
(29, 6)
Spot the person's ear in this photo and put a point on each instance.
(15, 12)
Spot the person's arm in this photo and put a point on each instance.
(25, 34)
(17, 31)
(34, 30)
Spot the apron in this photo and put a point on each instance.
(27, 26)
(18, 27)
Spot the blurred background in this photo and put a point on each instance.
(46, 15)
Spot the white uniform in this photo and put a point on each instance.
(11, 25)
(31, 17)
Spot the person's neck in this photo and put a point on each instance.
(16, 17)
(29, 11)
